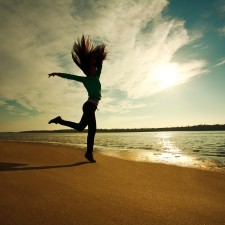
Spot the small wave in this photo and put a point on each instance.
(215, 154)
(196, 150)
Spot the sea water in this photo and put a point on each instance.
(204, 150)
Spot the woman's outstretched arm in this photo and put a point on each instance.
(67, 76)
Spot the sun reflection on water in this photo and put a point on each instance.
(167, 145)
(169, 153)
(166, 152)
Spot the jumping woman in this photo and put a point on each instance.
(89, 58)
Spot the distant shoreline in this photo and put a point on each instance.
(215, 127)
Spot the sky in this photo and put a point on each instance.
(166, 63)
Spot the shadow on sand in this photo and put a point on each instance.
(7, 166)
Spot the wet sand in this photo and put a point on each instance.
(48, 184)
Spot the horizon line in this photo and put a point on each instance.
(213, 126)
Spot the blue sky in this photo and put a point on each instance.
(166, 62)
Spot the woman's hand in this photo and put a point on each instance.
(52, 74)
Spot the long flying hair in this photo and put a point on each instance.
(86, 54)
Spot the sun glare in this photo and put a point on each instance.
(167, 75)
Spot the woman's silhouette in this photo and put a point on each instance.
(89, 59)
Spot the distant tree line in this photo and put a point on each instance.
(203, 127)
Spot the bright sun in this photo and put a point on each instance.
(167, 75)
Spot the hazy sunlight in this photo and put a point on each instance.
(167, 75)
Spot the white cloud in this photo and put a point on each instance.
(33, 38)
(139, 61)
(124, 121)
(220, 63)
(119, 106)
(222, 31)
(36, 39)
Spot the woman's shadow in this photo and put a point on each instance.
(8, 166)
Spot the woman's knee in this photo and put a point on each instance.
(80, 127)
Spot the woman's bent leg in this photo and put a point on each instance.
(77, 126)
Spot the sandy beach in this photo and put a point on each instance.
(50, 185)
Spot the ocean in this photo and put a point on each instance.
(205, 150)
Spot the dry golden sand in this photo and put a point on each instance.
(44, 184)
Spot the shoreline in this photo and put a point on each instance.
(51, 184)
(139, 156)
